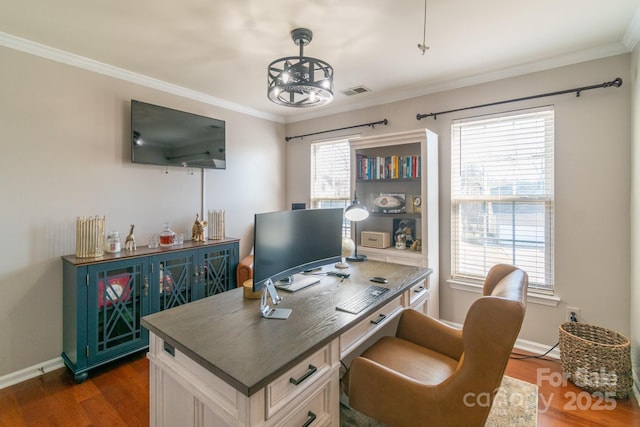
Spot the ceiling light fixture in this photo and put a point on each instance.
(300, 81)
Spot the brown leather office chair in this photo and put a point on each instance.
(244, 270)
(433, 374)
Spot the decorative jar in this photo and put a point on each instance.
(113, 242)
(167, 237)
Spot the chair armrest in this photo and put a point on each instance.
(244, 271)
(428, 332)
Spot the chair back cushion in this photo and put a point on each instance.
(506, 281)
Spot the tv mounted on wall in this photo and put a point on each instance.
(167, 137)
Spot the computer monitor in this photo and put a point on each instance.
(290, 242)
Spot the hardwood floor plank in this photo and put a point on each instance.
(102, 413)
(10, 414)
(65, 409)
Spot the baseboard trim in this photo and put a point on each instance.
(526, 345)
(537, 348)
(30, 372)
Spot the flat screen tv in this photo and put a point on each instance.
(166, 137)
(289, 242)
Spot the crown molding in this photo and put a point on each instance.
(48, 52)
(632, 36)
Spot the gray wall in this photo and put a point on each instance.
(635, 215)
(592, 185)
(64, 133)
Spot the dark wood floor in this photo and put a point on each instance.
(118, 395)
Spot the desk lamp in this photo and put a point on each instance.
(355, 213)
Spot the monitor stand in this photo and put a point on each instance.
(268, 290)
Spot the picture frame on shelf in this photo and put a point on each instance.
(415, 203)
(404, 232)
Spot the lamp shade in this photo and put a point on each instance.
(356, 212)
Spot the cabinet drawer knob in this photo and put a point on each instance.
(312, 370)
(312, 418)
(419, 289)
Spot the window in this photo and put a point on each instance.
(502, 195)
(330, 179)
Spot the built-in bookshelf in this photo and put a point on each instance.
(396, 177)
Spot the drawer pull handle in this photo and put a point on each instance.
(419, 289)
(379, 319)
(312, 418)
(170, 349)
(312, 370)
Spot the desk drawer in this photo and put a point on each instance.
(418, 291)
(297, 380)
(315, 411)
(370, 324)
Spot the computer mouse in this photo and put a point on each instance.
(379, 280)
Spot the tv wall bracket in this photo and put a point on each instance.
(269, 291)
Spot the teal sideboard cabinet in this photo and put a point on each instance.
(105, 297)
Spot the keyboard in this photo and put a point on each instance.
(362, 299)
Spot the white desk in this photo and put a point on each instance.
(216, 362)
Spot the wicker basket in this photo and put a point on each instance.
(596, 359)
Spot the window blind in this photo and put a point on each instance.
(502, 195)
(330, 174)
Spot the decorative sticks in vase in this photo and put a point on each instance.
(216, 224)
(89, 236)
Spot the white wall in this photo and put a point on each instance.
(64, 133)
(592, 184)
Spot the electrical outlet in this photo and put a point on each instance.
(573, 314)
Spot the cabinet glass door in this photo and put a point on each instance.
(176, 279)
(117, 299)
(218, 269)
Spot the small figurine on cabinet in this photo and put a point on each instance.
(130, 241)
(197, 232)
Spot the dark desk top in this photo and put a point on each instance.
(226, 334)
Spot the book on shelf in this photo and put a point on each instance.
(388, 167)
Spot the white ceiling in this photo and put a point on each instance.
(218, 51)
